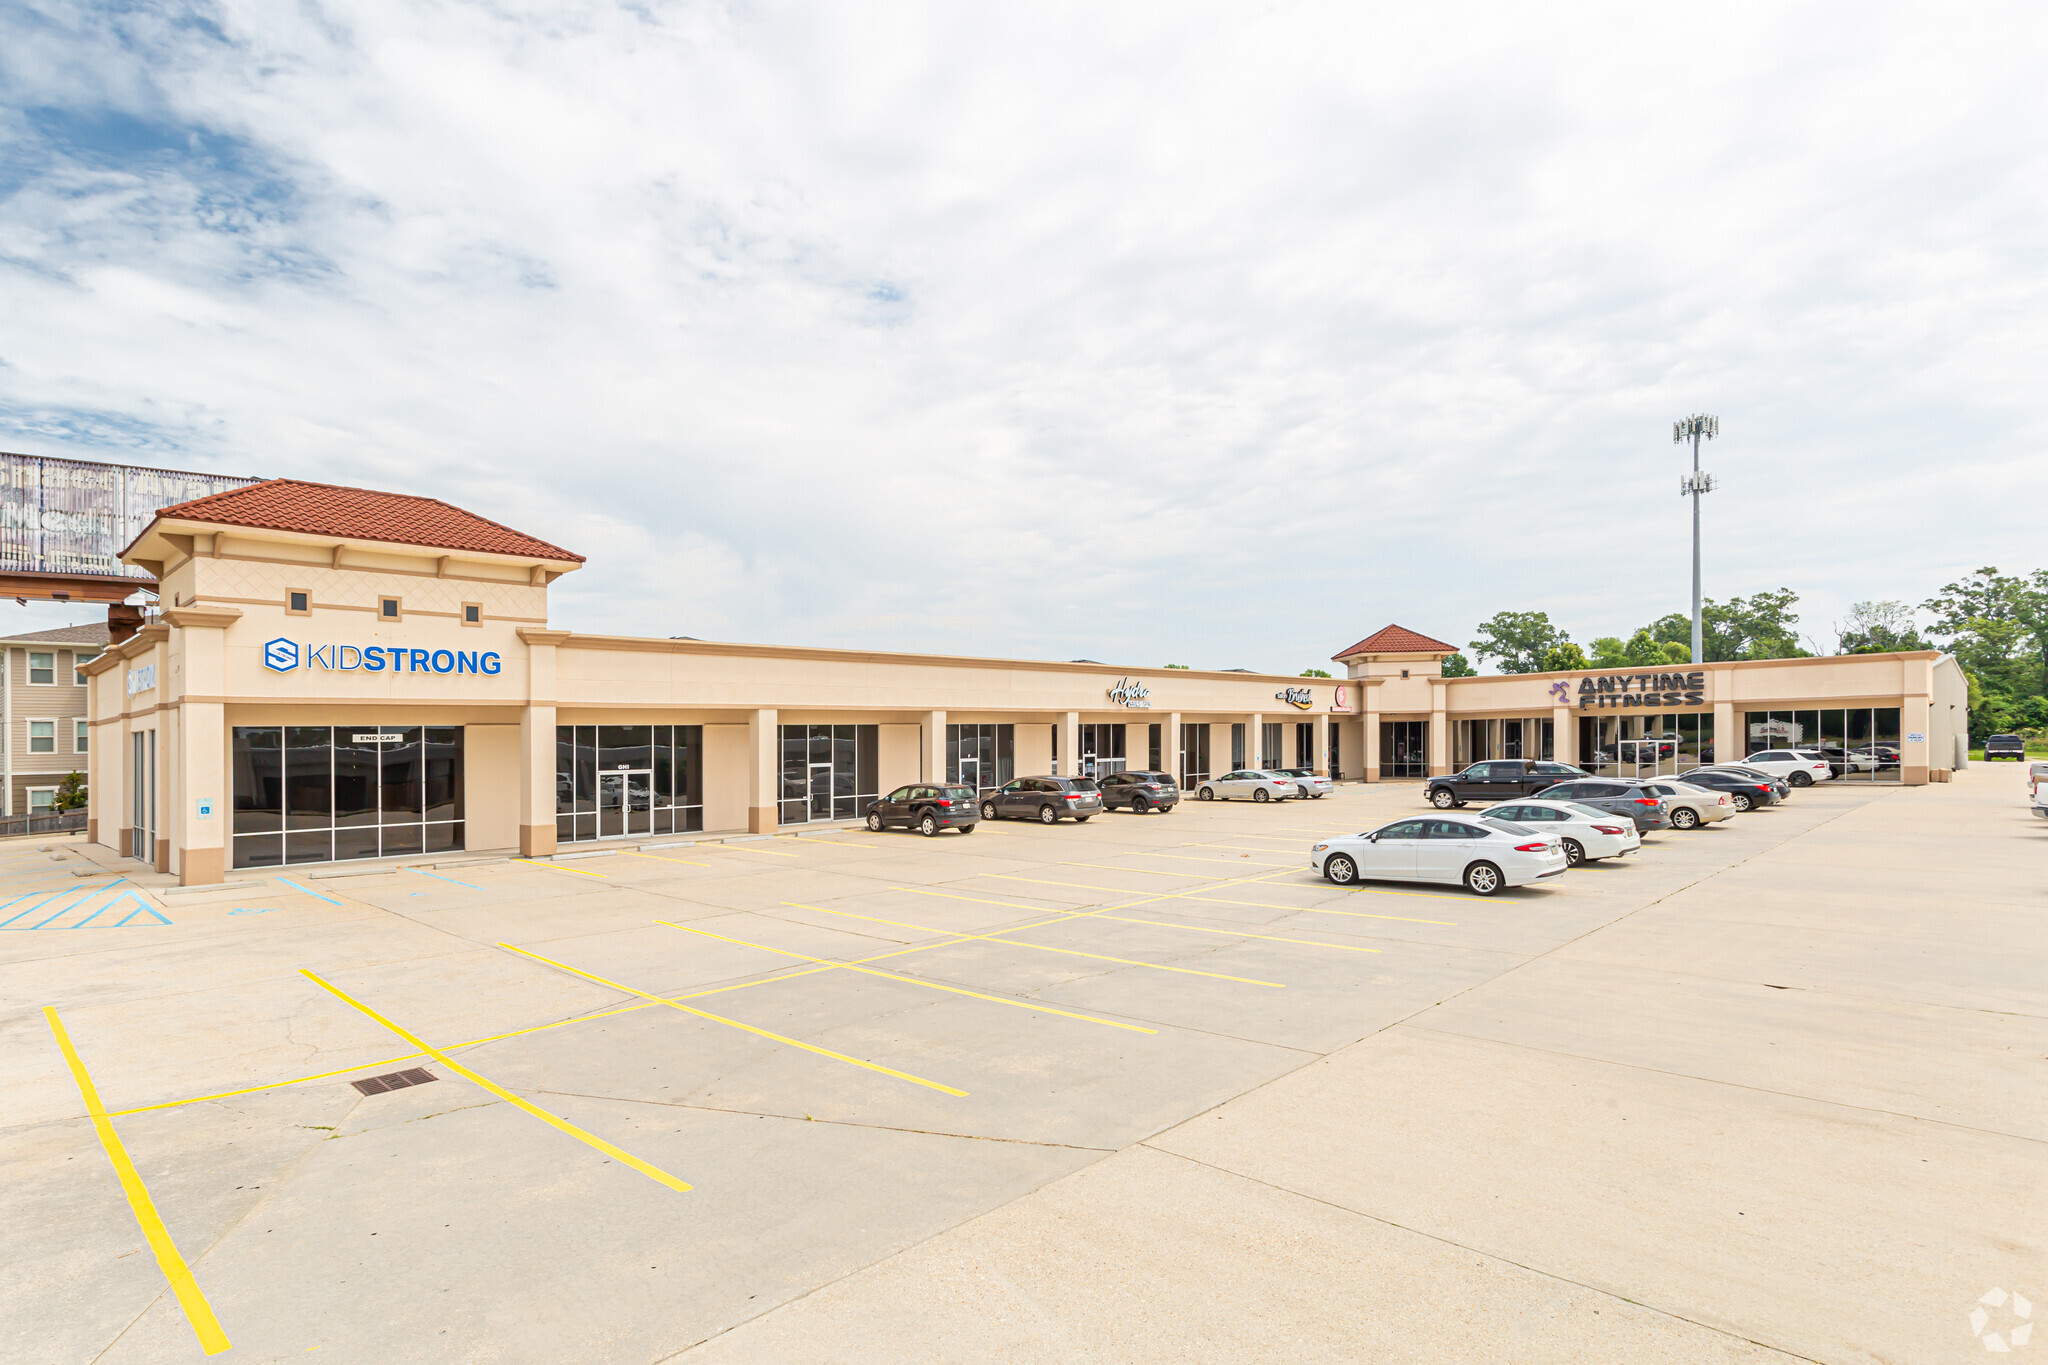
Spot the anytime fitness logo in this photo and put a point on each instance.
(2016, 1321)
(282, 656)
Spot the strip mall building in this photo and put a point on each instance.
(338, 674)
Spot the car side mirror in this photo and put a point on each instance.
(1373, 837)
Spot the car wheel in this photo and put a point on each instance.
(1801, 779)
(1166, 809)
(1685, 817)
(1442, 798)
(1206, 794)
(988, 810)
(1320, 795)
(1083, 819)
(928, 825)
(875, 821)
(1048, 816)
(1139, 805)
(968, 829)
(1574, 853)
(1483, 879)
(1340, 869)
(1743, 805)
(1262, 796)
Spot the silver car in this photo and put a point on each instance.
(1312, 783)
(1253, 784)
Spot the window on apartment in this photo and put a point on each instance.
(42, 736)
(42, 668)
(81, 735)
(472, 614)
(80, 660)
(387, 607)
(42, 800)
(298, 603)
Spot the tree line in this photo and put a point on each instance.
(1995, 624)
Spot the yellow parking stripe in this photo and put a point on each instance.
(581, 1135)
(1041, 947)
(687, 862)
(198, 1311)
(734, 1023)
(553, 868)
(1223, 900)
(1186, 858)
(911, 980)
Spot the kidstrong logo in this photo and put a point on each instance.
(2002, 1321)
(281, 655)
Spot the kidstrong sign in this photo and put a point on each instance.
(282, 656)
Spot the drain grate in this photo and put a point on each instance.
(397, 1080)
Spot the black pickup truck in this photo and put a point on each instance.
(1497, 779)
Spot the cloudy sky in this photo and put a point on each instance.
(1218, 335)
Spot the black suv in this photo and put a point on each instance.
(1044, 799)
(1140, 791)
(926, 807)
(2005, 746)
(1497, 779)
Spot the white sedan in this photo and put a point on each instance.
(1256, 784)
(1801, 770)
(1587, 832)
(1309, 780)
(1481, 856)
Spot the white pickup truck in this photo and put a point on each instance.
(2037, 787)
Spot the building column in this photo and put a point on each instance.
(1169, 743)
(1069, 759)
(1369, 750)
(1916, 759)
(1439, 732)
(1730, 745)
(537, 780)
(1564, 735)
(764, 768)
(201, 803)
(1254, 741)
(932, 764)
(1319, 749)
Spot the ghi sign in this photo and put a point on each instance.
(282, 656)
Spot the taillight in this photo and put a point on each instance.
(1075, 796)
(1530, 848)
(1609, 829)
(1763, 789)
(1723, 801)
(1646, 801)
(943, 802)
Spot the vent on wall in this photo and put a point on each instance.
(397, 1080)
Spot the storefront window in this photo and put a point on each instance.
(619, 781)
(1102, 750)
(1194, 755)
(1646, 745)
(982, 756)
(828, 772)
(317, 793)
(1404, 748)
(1859, 743)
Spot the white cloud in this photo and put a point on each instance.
(1200, 334)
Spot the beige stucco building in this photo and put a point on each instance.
(338, 673)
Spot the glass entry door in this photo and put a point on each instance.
(820, 791)
(625, 803)
(970, 774)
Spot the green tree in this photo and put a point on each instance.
(1760, 627)
(1176, 665)
(1458, 666)
(1878, 628)
(1564, 657)
(1313, 673)
(70, 795)
(1609, 652)
(1517, 640)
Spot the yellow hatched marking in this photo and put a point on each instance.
(1041, 947)
(577, 871)
(590, 1139)
(911, 980)
(734, 1023)
(687, 862)
(198, 1311)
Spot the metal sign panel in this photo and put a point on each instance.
(76, 516)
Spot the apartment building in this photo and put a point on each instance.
(43, 705)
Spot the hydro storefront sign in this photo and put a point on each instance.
(282, 656)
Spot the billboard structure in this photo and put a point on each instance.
(74, 517)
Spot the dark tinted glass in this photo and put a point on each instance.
(401, 783)
(355, 782)
(308, 779)
(1082, 784)
(259, 784)
(444, 772)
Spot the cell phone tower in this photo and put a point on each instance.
(1698, 427)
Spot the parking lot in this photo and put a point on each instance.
(1139, 1090)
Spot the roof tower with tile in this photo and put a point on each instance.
(1395, 640)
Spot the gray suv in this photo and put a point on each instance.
(1141, 791)
(1047, 800)
(1617, 797)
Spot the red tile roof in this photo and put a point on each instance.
(1397, 640)
(325, 509)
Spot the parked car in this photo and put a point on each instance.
(1047, 800)
(1791, 765)
(1745, 791)
(1140, 792)
(1309, 780)
(1616, 796)
(1258, 784)
(1496, 780)
(1688, 806)
(2037, 778)
(1482, 856)
(1777, 784)
(1887, 755)
(1842, 761)
(1587, 833)
(2005, 746)
(927, 808)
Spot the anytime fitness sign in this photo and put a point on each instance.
(1641, 689)
(282, 656)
